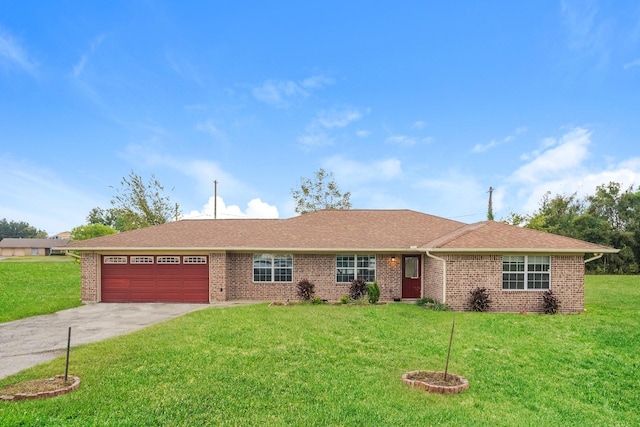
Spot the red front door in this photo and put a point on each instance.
(411, 278)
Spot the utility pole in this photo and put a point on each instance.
(215, 199)
(490, 211)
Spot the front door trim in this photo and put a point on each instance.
(411, 276)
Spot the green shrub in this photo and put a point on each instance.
(358, 289)
(317, 301)
(344, 299)
(550, 303)
(373, 292)
(479, 299)
(440, 306)
(424, 301)
(306, 289)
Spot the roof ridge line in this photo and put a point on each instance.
(452, 235)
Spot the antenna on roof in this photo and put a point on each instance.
(490, 210)
(215, 199)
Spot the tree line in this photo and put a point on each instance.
(20, 230)
(609, 217)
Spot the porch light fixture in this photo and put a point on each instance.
(393, 258)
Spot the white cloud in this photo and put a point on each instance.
(317, 82)
(256, 208)
(184, 68)
(204, 172)
(558, 167)
(79, 67)
(338, 118)
(280, 93)
(419, 124)
(210, 129)
(407, 140)
(632, 64)
(588, 32)
(570, 151)
(315, 138)
(317, 133)
(13, 54)
(362, 133)
(481, 148)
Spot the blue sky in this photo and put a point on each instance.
(418, 105)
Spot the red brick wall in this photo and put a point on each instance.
(432, 278)
(218, 290)
(320, 269)
(466, 272)
(90, 276)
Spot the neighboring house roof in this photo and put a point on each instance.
(336, 230)
(11, 242)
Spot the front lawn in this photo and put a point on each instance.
(341, 365)
(37, 285)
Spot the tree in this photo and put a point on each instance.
(610, 217)
(139, 205)
(20, 229)
(89, 231)
(109, 217)
(319, 193)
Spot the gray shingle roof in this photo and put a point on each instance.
(332, 230)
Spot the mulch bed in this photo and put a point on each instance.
(36, 389)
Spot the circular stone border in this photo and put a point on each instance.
(443, 389)
(43, 394)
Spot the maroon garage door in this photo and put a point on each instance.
(149, 278)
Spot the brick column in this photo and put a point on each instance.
(90, 274)
(218, 289)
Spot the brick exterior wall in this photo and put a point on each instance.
(432, 278)
(90, 276)
(320, 269)
(218, 277)
(231, 278)
(466, 272)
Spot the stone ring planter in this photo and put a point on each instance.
(434, 382)
(72, 381)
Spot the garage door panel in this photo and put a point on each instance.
(155, 283)
(116, 284)
(141, 270)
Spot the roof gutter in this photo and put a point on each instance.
(444, 274)
(594, 257)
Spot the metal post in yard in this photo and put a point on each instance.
(66, 369)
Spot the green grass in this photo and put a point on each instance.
(341, 365)
(37, 285)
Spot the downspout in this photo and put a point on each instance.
(444, 275)
(593, 258)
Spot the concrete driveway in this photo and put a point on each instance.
(34, 340)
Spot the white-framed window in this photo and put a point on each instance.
(191, 259)
(115, 259)
(349, 267)
(272, 267)
(141, 259)
(168, 259)
(526, 272)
